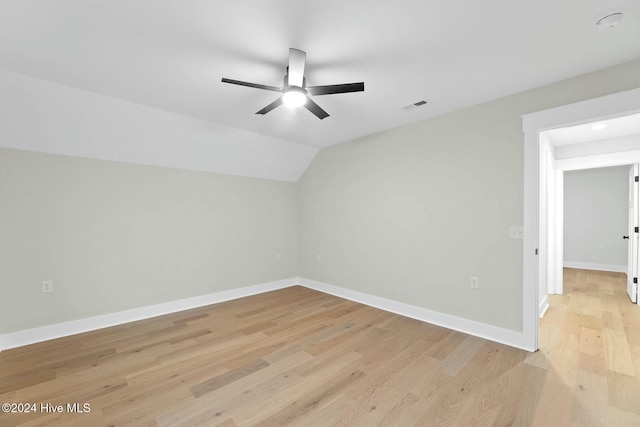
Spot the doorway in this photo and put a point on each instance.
(596, 221)
(599, 244)
(536, 245)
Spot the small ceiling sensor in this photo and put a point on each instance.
(609, 21)
(598, 126)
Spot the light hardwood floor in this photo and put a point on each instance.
(300, 357)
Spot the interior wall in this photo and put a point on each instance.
(596, 216)
(412, 213)
(407, 214)
(114, 236)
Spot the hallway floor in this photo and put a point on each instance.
(590, 344)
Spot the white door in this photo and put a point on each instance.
(632, 265)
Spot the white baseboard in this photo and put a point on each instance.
(543, 306)
(44, 333)
(482, 330)
(593, 266)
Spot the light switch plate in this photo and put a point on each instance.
(516, 232)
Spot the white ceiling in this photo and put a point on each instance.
(610, 129)
(171, 55)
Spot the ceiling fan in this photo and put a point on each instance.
(295, 93)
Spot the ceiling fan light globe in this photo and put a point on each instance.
(294, 97)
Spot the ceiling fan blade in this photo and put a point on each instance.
(315, 109)
(273, 105)
(254, 85)
(331, 89)
(296, 67)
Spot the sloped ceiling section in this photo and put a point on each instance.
(164, 60)
(38, 115)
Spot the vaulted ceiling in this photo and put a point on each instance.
(171, 55)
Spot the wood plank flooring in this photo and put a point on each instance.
(302, 358)
(588, 343)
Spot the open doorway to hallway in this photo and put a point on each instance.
(596, 220)
(535, 245)
(593, 166)
(589, 337)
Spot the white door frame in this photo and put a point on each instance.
(606, 107)
(632, 263)
(548, 222)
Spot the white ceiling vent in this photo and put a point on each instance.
(414, 105)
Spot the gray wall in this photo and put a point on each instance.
(410, 214)
(407, 214)
(596, 216)
(114, 236)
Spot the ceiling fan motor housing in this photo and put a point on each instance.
(285, 80)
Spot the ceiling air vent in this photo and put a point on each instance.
(414, 105)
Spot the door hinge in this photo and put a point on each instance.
(536, 251)
(636, 178)
(637, 229)
(635, 280)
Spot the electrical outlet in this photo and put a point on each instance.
(475, 282)
(47, 286)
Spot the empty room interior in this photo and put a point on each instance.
(319, 214)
